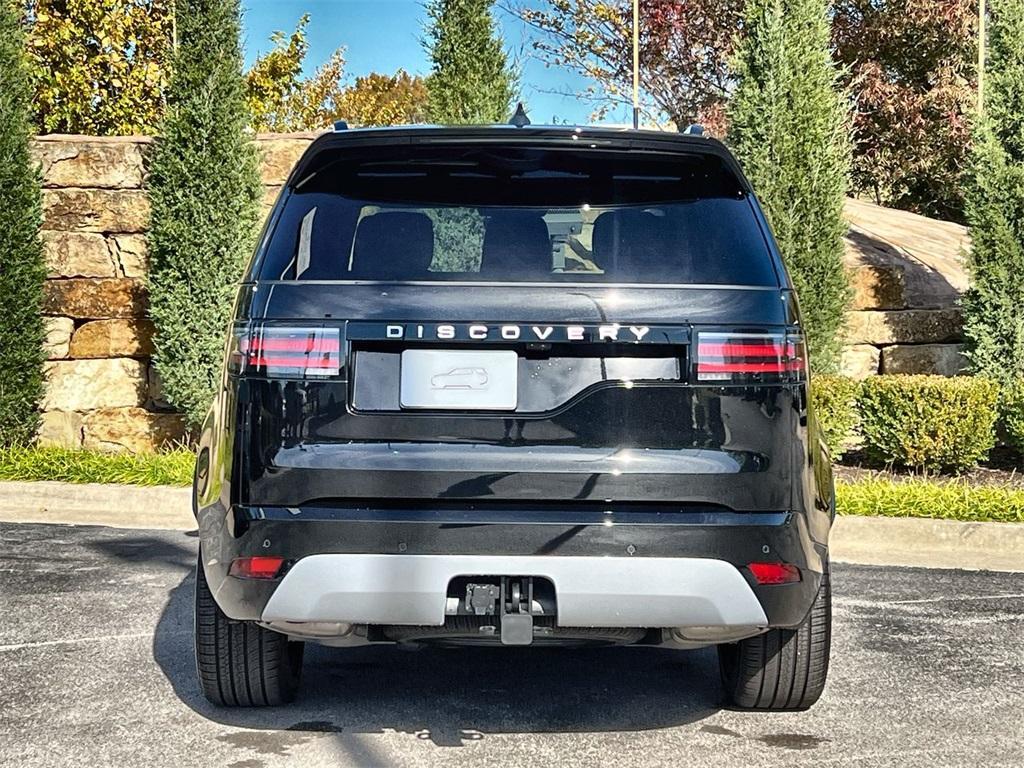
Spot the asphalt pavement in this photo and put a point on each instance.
(96, 669)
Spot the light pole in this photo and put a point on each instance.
(636, 63)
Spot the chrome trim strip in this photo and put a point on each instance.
(484, 515)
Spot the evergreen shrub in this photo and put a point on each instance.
(993, 320)
(789, 128)
(834, 402)
(22, 269)
(204, 187)
(929, 423)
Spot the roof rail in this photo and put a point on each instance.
(340, 125)
(694, 129)
(520, 119)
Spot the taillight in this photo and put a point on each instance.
(287, 351)
(259, 567)
(774, 573)
(750, 357)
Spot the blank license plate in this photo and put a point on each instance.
(459, 379)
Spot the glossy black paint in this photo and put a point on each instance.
(655, 442)
(297, 466)
(322, 152)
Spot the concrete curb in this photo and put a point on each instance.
(118, 506)
(867, 540)
(928, 543)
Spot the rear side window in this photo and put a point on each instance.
(519, 215)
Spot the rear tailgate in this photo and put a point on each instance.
(608, 407)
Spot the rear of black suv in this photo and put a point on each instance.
(518, 386)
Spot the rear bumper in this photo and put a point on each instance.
(611, 568)
(590, 591)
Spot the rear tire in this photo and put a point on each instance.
(240, 663)
(782, 669)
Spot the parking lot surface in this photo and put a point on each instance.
(96, 669)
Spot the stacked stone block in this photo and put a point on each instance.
(907, 275)
(102, 389)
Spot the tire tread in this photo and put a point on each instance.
(239, 663)
(782, 669)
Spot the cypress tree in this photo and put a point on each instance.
(994, 305)
(471, 81)
(204, 187)
(788, 126)
(22, 270)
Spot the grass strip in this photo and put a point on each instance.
(923, 497)
(173, 467)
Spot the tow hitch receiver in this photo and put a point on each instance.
(511, 601)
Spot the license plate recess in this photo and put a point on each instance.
(450, 379)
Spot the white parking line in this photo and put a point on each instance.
(76, 640)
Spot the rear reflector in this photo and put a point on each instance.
(261, 567)
(732, 357)
(774, 573)
(289, 352)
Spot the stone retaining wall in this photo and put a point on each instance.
(103, 392)
(907, 275)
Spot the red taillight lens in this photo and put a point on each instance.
(260, 567)
(730, 357)
(774, 573)
(288, 352)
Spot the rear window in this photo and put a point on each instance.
(514, 214)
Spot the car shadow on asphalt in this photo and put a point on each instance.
(454, 695)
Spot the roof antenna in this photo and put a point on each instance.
(520, 118)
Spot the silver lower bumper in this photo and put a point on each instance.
(589, 591)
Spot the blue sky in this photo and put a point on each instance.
(384, 35)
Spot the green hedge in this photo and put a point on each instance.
(834, 402)
(1011, 414)
(928, 422)
(922, 422)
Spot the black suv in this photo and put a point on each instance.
(516, 385)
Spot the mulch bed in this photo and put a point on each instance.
(1004, 468)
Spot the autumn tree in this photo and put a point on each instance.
(204, 188)
(910, 68)
(788, 128)
(378, 99)
(684, 52)
(471, 80)
(22, 270)
(280, 99)
(993, 322)
(98, 66)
